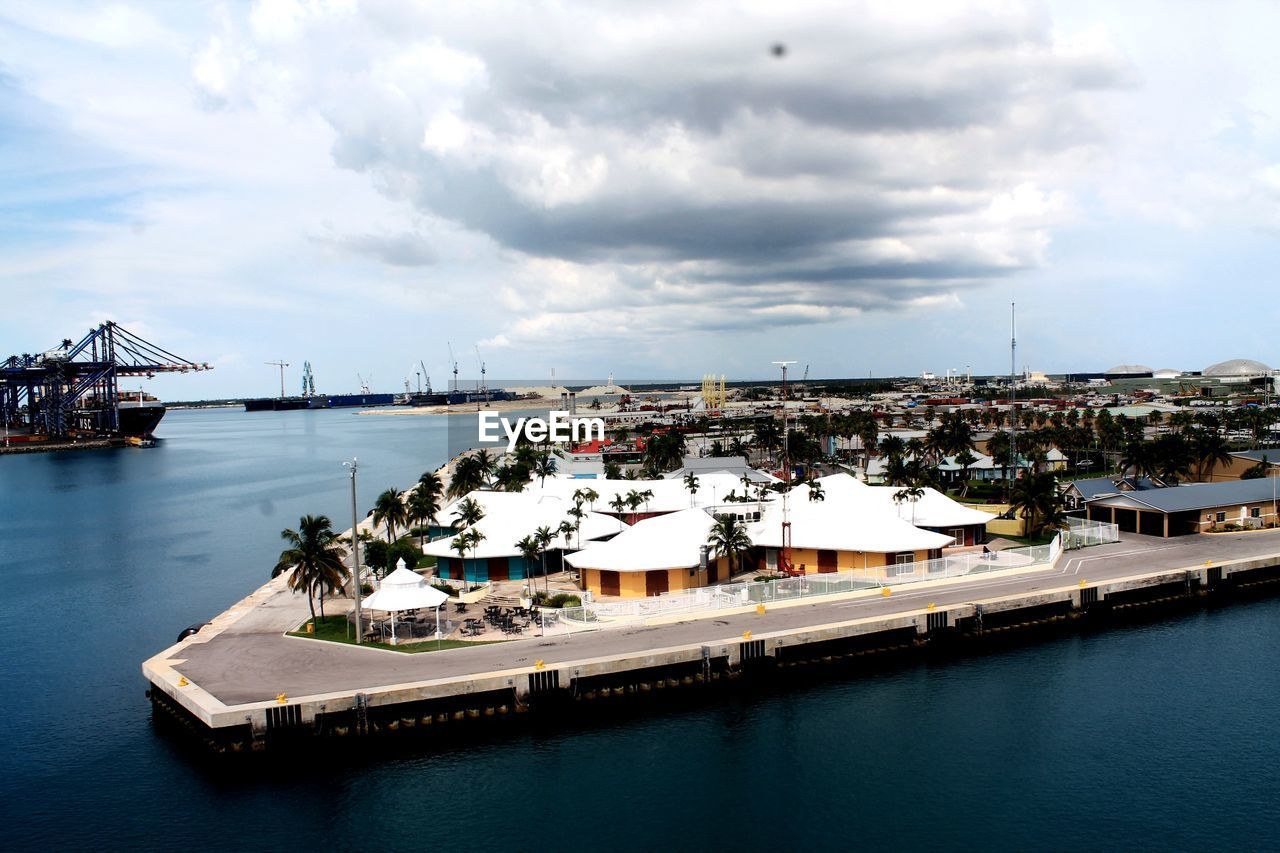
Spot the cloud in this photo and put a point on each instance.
(890, 156)
(407, 249)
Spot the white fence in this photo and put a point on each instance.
(1080, 533)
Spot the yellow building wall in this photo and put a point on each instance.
(635, 584)
(847, 560)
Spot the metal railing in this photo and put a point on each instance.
(1080, 533)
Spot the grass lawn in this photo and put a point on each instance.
(334, 629)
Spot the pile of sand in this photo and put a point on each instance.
(549, 391)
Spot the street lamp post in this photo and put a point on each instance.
(355, 551)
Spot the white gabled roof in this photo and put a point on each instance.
(933, 509)
(842, 525)
(672, 541)
(511, 516)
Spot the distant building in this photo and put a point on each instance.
(1193, 508)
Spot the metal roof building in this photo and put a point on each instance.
(1193, 508)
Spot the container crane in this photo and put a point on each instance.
(484, 388)
(80, 381)
(425, 375)
(453, 361)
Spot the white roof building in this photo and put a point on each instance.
(511, 516)
(672, 541)
(842, 524)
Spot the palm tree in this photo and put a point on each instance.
(461, 543)
(1210, 450)
(389, 509)
(618, 503)
(468, 514)
(316, 559)
(634, 500)
(468, 477)
(588, 496)
(965, 459)
(529, 551)
(577, 513)
(474, 538)
(912, 494)
(430, 483)
(691, 483)
(544, 535)
(729, 537)
(816, 493)
(544, 467)
(422, 507)
(486, 463)
(1037, 498)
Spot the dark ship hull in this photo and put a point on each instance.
(140, 419)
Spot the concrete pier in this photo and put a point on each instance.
(240, 678)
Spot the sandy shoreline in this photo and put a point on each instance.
(464, 408)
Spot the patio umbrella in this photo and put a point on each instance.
(405, 590)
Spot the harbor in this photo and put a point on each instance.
(242, 680)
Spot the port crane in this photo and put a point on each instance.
(282, 365)
(484, 388)
(425, 375)
(364, 383)
(80, 380)
(454, 362)
(308, 380)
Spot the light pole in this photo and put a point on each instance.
(355, 550)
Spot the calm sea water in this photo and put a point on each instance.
(1152, 737)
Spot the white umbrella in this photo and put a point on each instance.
(405, 590)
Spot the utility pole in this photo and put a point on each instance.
(784, 557)
(355, 551)
(282, 365)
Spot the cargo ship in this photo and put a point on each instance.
(137, 416)
(317, 401)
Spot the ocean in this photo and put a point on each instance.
(1154, 736)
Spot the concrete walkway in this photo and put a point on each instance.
(251, 661)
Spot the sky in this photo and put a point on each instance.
(660, 189)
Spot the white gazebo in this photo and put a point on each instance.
(405, 590)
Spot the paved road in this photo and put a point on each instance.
(252, 662)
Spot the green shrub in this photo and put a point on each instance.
(560, 599)
(426, 561)
(446, 589)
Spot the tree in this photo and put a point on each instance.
(691, 483)
(512, 477)
(965, 459)
(1036, 497)
(1209, 449)
(816, 493)
(316, 559)
(912, 494)
(389, 510)
(375, 555)
(430, 483)
(618, 503)
(729, 537)
(577, 513)
(544, 467)
(422, 507)
(468, 476)
(544, 535)
(1258, 471)
(468, 513)
(587, 496)
(612, 470)
(530, 551)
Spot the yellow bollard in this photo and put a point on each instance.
(746, 635)
(539, 664)
(1083, 582)
(282, 699)
(311, 627)
(931, 606)
(760, 608)
(885, 591)
(1208, 562)
(182, 681)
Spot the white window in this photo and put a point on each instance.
(904, 558)
(771, 559)
(957, 533)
